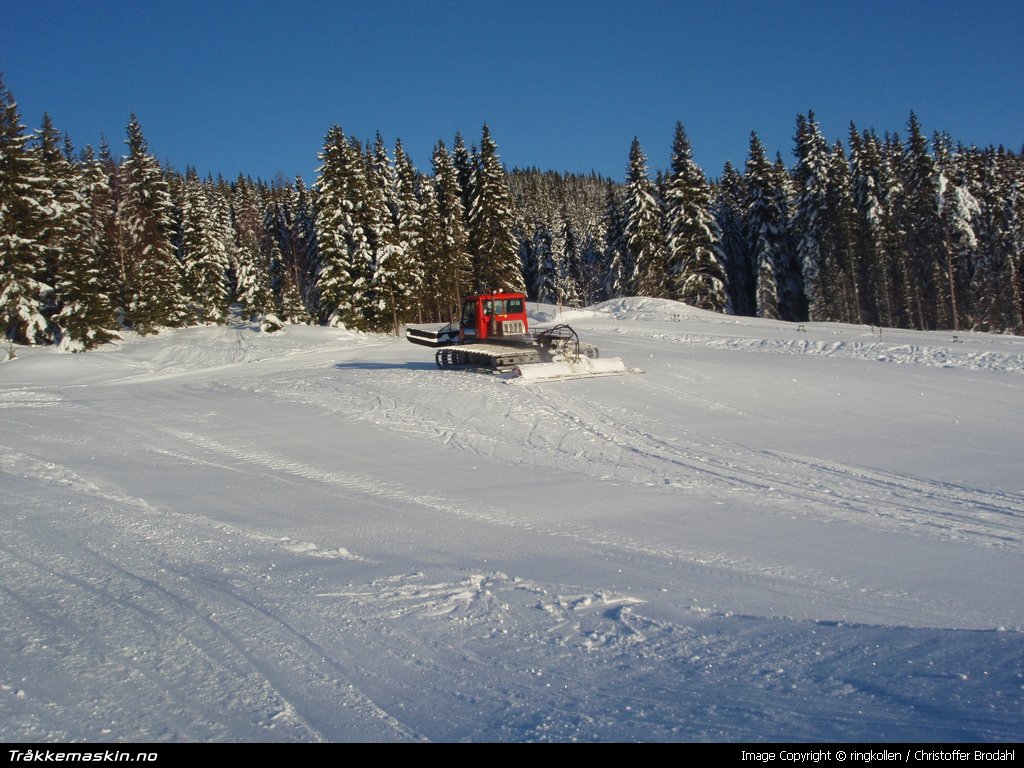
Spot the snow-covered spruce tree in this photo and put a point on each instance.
(922, 228)
(46, 147)
(810, 216)
(204, 257)
(694, 258)
(793, 302)
(395, 221)
(431, 306)
(1015, 232)
(465, 162)
(99, 224)
(272, 255)
(571, 280)
(252, 275)
(408, 218)
(995, 287)
(644, 230)
(302, 248)
(526, 258)
(343, 233)
(893, 199)
(865, 164)
(592, 255)
(335, 279)
(494, 245)
(364, 234)
(535, 234)
(728, 209)
(895, 164)
(545, 272)
(765, 224)
(145, 222)
(453, 270)
(382, 232)
(84, 317)
(960, 212)
(26, 211)
(104, 189)
(286, 243)
(839, 247)
(290, 307)
(618, 271)
(219, 193)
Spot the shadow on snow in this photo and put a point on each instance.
(364, 366)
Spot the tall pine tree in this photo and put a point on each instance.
(204, 257)
(26, 205)
(694, 258)
(810, 216)
(728, 208)
(766, 220)
(839, 254)
(928, 280)
(252, 273)
(492, 219)
(452, 271)
(84, 316)
(644, 232)
(145, 221)
(618, 270)
(334, 218)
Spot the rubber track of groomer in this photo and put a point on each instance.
(485, 356)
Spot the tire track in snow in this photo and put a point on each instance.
(991, 518)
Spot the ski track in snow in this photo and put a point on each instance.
(157, 590)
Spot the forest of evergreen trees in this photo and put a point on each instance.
(897, 231)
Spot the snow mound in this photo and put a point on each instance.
(654, 310)
(567, 315)
(202, 350)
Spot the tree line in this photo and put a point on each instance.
(893, 231)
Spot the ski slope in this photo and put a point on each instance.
(772, 532)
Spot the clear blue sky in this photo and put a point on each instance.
(565, 85)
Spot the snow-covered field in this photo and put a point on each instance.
(775, 532)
